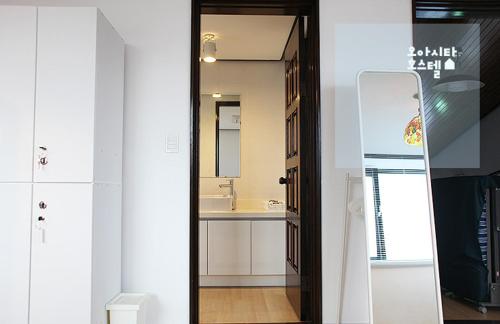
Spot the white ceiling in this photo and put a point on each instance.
(241, 37)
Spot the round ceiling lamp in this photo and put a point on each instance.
(413, 132)
(209, 48)
(458, 83)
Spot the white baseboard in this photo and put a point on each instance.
(242, 281)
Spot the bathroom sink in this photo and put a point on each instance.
(216, 203)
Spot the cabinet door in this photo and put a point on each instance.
(17, 92)
(15, 231)
(61, 254)
(203, 248)
(65, 87)
(229, 248)
(268, 247)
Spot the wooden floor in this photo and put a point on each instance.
(245, 305)
(458, 310)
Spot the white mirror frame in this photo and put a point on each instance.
(429, 189)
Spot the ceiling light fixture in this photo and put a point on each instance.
(458, 83)
(209, 48)
(217, 95)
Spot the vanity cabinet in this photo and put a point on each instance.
(242, 252)
(203, 248)
(268, 247)
(229, 248)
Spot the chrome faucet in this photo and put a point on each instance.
(230, 185)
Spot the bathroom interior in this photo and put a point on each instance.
(242, 262)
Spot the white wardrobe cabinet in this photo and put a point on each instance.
(62, 253)
(79, 97)
(78, 63)
(76, 255)
(15, 220)
(61, 106)
(17, 92)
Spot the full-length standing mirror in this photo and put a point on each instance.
(398, 207)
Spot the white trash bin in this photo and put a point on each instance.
(127, 309)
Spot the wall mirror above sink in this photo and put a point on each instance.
(220, 127)
(398, 205)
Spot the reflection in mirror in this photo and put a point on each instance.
(398, 213)
(220, 125)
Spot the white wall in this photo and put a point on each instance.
(347, 46)
(261, 87)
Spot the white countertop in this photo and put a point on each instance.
(243, 214)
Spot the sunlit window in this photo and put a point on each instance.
(398, 215)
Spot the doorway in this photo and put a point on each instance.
(301, 176)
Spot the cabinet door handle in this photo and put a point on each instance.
(41, 227)
(42, 156)
(42, 205)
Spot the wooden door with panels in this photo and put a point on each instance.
(294, 51)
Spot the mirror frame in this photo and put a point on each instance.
(201, 176)
(437, 281)
(218, 105)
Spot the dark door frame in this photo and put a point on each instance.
(311, 266)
